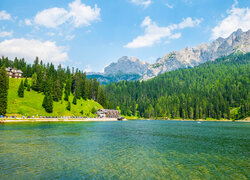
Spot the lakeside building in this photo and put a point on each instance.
(14, 73)
(108, 113)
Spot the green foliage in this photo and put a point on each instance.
(21, 90)
(45, 78)
(94, 110)
(48, 103)
(25, 82)
(34, 82)
(28, 87)
(74, 100)
(206, 91)
(4, 85)
(68, 106)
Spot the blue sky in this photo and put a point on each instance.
(90, 34)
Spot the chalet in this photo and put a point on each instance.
(108, 113)
(14, 73)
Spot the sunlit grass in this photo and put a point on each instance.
(31, 104)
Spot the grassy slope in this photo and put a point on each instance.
(31, 104)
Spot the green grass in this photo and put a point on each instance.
(31, 104)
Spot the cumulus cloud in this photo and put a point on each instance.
(189, 22)
(51, 18)
(144, 3)
(154, 33)
(47, 51)
(6, 34)
(4, 15)
(78, 14)
(83, 14)
(236, 18)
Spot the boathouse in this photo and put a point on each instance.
(108, 113)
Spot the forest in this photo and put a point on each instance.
(217, 90)
(56, 83)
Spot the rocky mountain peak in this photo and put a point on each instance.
(127, 65)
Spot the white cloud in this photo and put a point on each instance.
(83, 14)
(28, 22)
(51, 18)
(154, 33)
(4, 15)
(69, 37)
(79, 14)
(51, 34)
(169, 5)
(175, 36)
(6, 34)
(144, 3)
(87, 69)
(237, 18)
(47, 51)
(189, 22)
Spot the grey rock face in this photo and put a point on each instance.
(237, 42)
(127, 65)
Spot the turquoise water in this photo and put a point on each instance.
(125, 150)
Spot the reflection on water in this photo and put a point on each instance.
(125, 150)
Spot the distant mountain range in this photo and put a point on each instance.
(134, 69)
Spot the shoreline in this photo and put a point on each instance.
(108, 119)
(58, 120)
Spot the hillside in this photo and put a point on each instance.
(31, 104)
(218, 89)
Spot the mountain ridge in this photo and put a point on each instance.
(238, 41)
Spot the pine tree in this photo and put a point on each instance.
(74, 100)
(66, 96)
(45, 101)
(68, 106)
(4, 84)
(28, 87)
(25, 82)
(49, 106)
(34, 82)
(21, 90)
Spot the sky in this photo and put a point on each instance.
(91, 34)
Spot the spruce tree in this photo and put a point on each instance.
(21, 90)
(4, 85)
(28, 87)
(34, 82)
(25, 82)
(68, 106)
(45, 101)
(49, 106)
(74, 100)
(66, 96)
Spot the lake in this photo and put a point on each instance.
(125, 150)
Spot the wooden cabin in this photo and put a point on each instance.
(14, 73)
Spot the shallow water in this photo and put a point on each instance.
(125, 150)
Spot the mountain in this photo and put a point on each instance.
(129, 69)
(127, 66)
(216, 89)
(133, 68)
(238, 41)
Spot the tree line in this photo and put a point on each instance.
(218, 89)
(55, 83)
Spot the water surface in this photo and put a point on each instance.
(125, 150)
